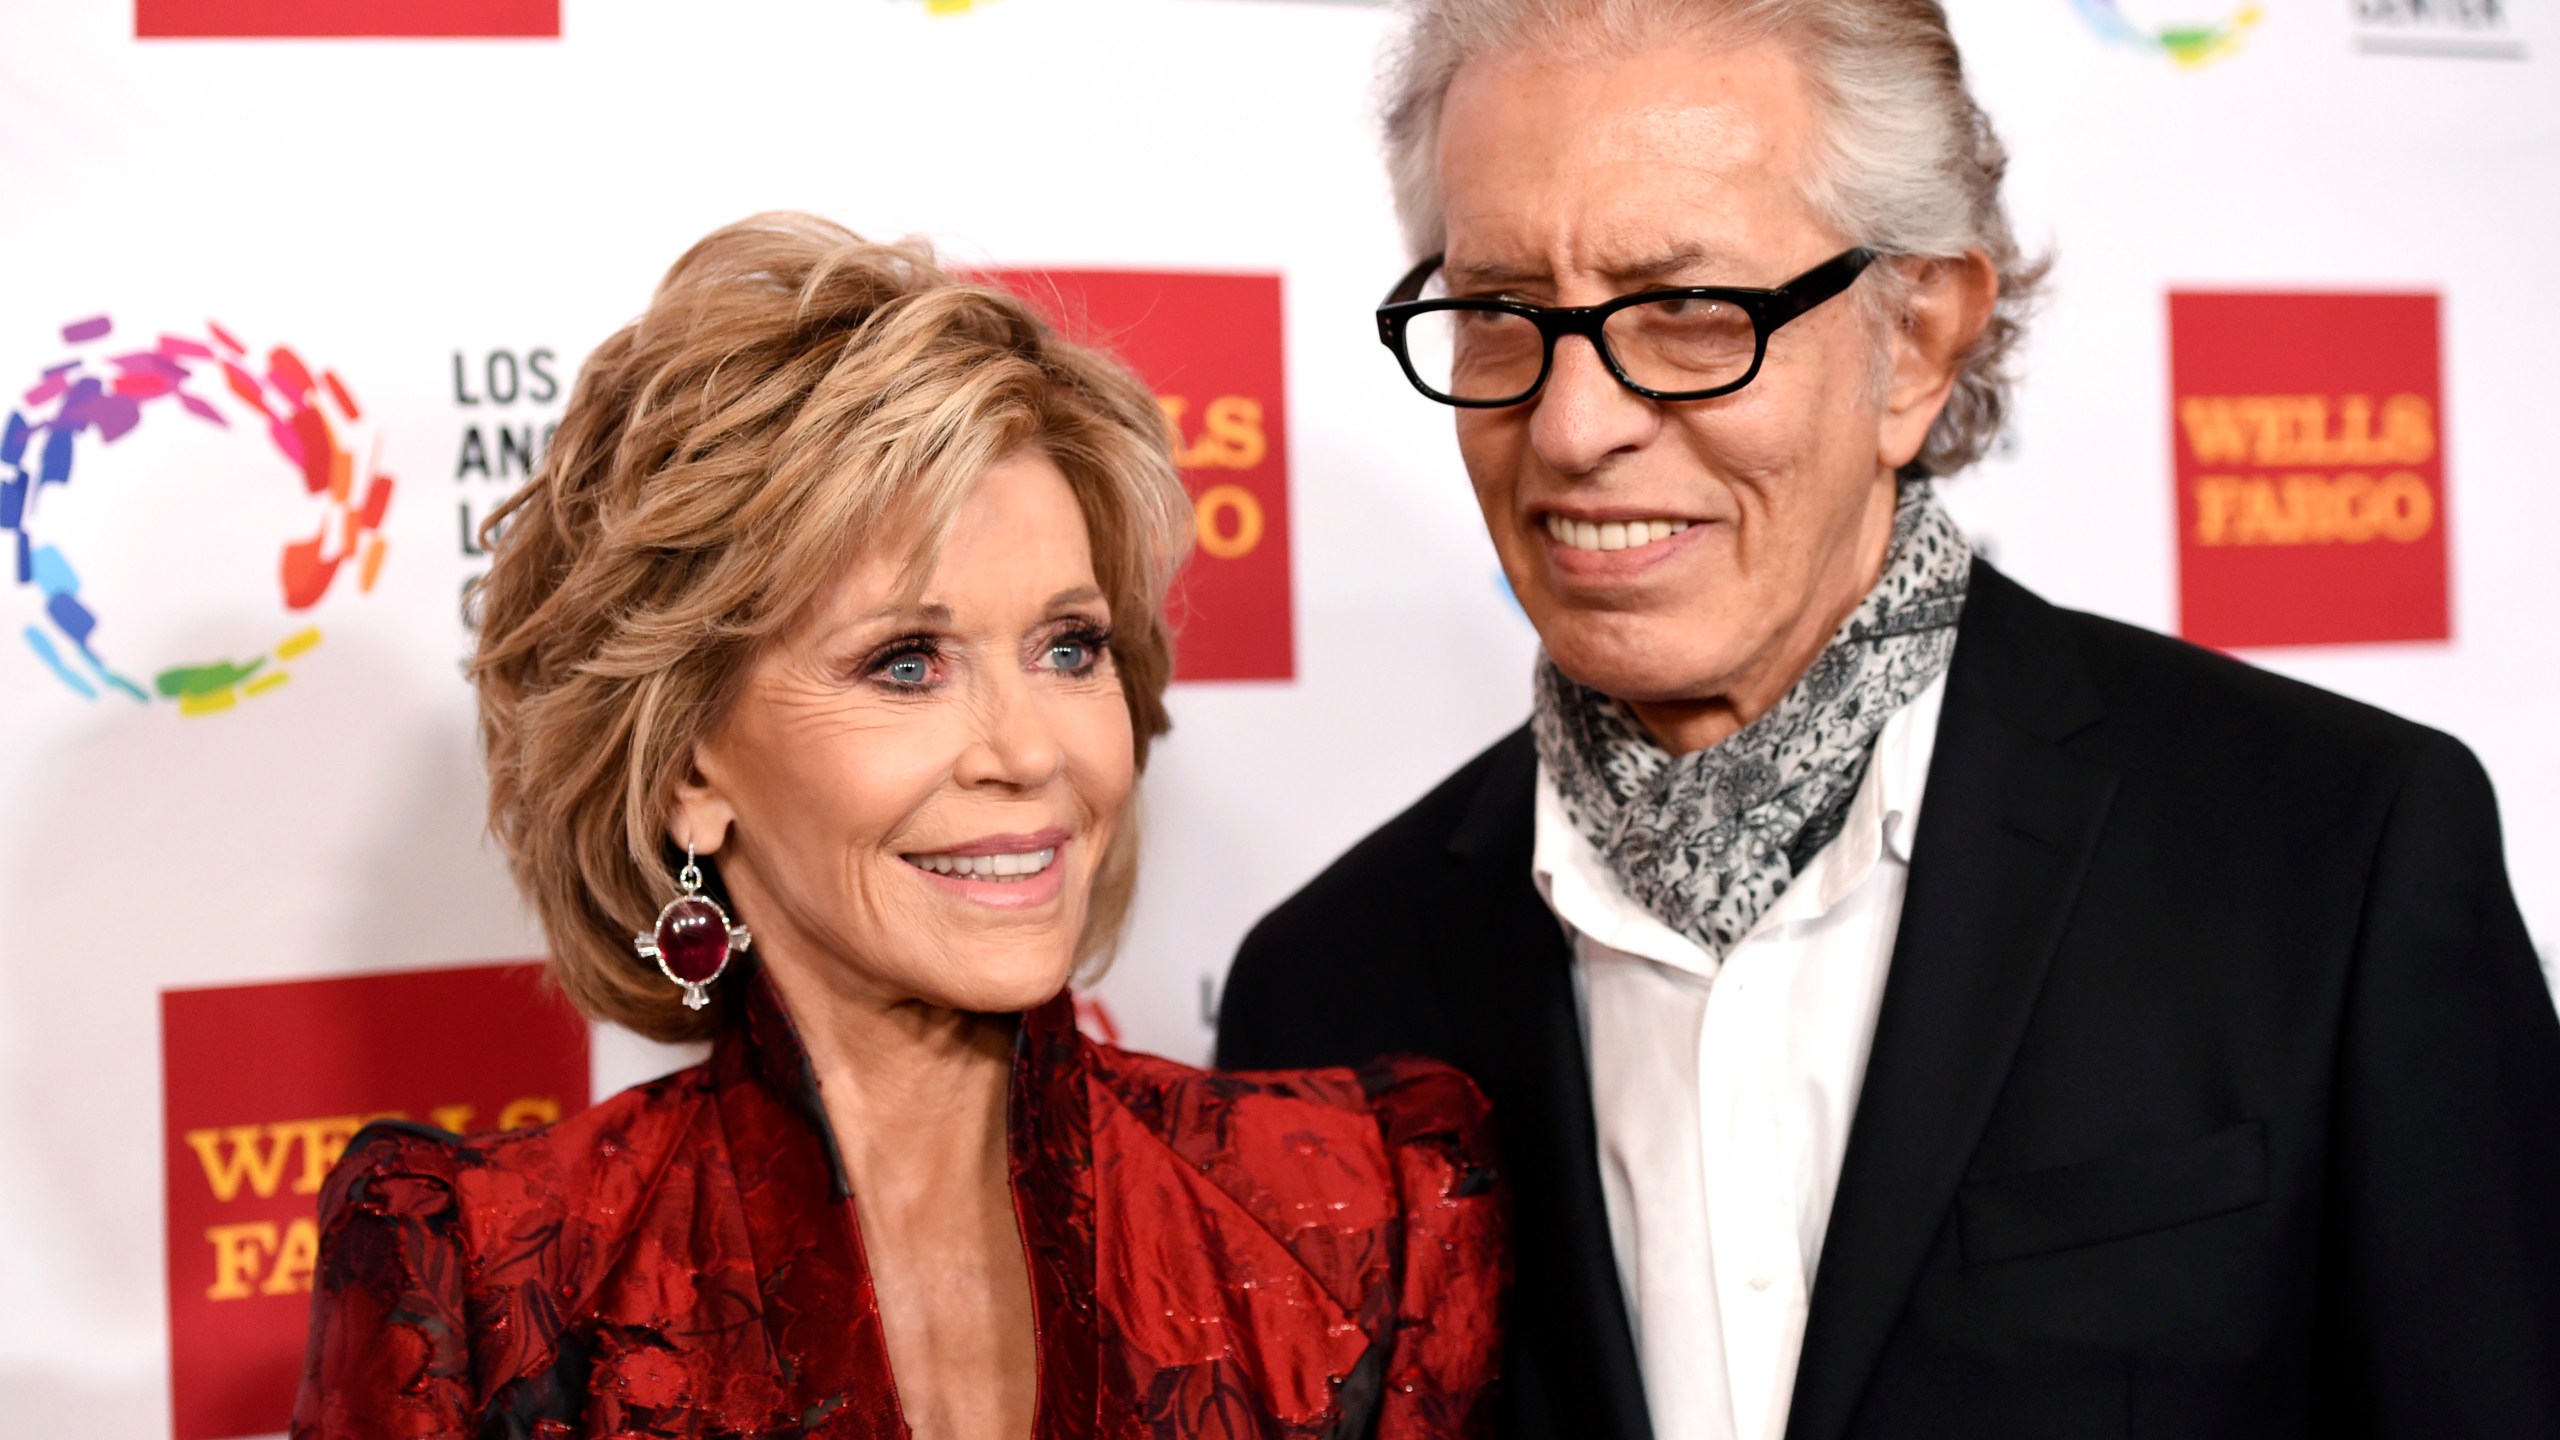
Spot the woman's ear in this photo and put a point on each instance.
(702, 814)
(1950, 303)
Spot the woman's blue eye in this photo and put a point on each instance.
(1069, 654)
(908, 670)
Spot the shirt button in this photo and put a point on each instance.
(1761, 1282)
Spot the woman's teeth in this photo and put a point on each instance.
(987, 867)
(1614, 535)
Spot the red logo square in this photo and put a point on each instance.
(2309, 434)
(263, 1085)
(1210, 347)
(345, 19)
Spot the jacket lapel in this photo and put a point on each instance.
(1049, 1135)
(820, 1313)
(2007, 825)
(1506, 975)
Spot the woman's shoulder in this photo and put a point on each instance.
(1360, 1201)
(1269, 1122)
(494, 1181)
(447, 1260)
(1400, 1081)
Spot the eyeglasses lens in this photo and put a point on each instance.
(1475, 354)
(1673, 345)
(1681, 345)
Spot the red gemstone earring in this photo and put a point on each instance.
(693, 939)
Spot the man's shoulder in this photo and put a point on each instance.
(1343, 970)
(1473, 805)
(2171, 694)
(2163, 702)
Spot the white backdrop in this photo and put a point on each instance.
(386, 205)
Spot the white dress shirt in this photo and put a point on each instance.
(1723, 1093)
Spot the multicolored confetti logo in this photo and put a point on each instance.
(2187, 43)
(82, 405)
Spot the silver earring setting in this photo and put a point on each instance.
(693, 939)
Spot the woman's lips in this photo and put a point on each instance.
(1007, 872)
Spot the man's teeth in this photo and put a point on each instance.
(1614, 535)
(987, 867)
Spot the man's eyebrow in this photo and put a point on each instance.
(1664, 265)
(1491, 273)
(1636, 271)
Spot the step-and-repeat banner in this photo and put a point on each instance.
(293, 293)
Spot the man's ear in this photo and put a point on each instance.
(1950, 303)
(702, 815)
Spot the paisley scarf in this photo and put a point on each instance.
(1706, 842)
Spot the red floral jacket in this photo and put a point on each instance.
(1309, 1253)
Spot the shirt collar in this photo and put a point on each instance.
(1882, 819)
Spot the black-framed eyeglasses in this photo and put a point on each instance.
(1687, 344)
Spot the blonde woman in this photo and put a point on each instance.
(817, 667)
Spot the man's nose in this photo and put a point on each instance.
(1582, 415)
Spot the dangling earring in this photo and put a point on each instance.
(693, 939)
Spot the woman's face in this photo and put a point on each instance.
(911, 796)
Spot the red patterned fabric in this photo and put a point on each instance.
(1305, 1253)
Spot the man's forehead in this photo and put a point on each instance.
(1677, 104)
(1642, 166)
(1673, 231)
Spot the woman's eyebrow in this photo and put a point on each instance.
(931, 612)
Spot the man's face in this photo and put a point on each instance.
(1569, 183)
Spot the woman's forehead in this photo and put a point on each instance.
(1016, 541)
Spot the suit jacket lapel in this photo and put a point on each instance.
(2007, 824)
(1507, 977)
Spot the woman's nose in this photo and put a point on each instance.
(1015, 744)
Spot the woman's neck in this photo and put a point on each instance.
(915, 1097)
(905, 1084)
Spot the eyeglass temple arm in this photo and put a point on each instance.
(1410, 287)
(1818, 284)
(1791, 299)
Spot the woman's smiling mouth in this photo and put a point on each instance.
(987, 867)
(1006, 871)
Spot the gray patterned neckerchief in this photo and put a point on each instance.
(1706, 842)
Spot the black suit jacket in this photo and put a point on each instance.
(2215, 1090)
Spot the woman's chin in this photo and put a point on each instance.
(1002, 983)
(1011, 1000)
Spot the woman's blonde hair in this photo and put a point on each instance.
(793, 395)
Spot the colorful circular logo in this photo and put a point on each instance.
(2189, 43)
(80, 405)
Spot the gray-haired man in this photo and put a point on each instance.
(2180, 1067)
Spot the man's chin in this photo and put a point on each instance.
(1640, 659)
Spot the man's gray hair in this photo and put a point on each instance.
(1906, 163)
